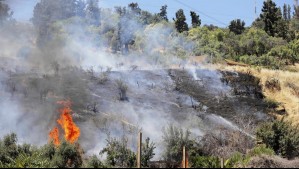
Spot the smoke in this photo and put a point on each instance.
(29, 124)
(69, 67)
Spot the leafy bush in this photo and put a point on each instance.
(241, 160)
(67, 155)
(147, 152)
(261, 150)
(206, 162)
(280, 136)
(175, 139)
(20, 156)
(94, 162)
(123, 88)
(118, 154)
(236, 159)
(269, 62)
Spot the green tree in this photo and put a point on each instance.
(237, 26)
(285, 12)
(163, 13)
(296, 12)
(134, 7)
(258, 23)
(270, 16)
(196, 22)
(146, 18)
(180, 21)
(93, 12)
(289, 12)
(8, 148)
(80, 8)
(174, 140)
(125, 31)
(94, 162)
(46, 12)
(147, 152)
(294, 46)
(5, 12)
(282, 29)
(67, 155)
(118, 155)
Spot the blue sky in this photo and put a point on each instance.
(217, 12)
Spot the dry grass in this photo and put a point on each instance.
(287, 96)
(272, 162)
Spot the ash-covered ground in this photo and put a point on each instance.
(123, 102)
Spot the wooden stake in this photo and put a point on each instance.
(184, 157)
(222, 162)
(139, 150)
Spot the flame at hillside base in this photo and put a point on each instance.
(54, 136)
(71, 130)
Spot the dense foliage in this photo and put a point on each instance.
(13, 155)
(281, 136)
(271, 41)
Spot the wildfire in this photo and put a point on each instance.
(71, 130)
(54, 135)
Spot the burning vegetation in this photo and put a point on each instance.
(70, 129)
(126, 71)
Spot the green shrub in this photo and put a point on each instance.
(94, 162)
(241, 160)
(280, 136)
(175, 139)
(236, 159)
(67, 155)
(118, 155)
(205, 162)
(261, 150)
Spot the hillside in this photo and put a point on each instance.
(83, 85)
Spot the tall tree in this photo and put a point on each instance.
(285, 12)
(196, 22)
(47, 12)
(237, 26)
(289, 12)
(134, 7)
(163, 13)
(80, 9)
(281, 27)
(93, 12)
(5, 12)
(180, 21)
(296, 12)
(125, 31)
(270, 16)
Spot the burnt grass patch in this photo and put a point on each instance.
(243, 98)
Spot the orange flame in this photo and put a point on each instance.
(54, 136)
(71, 130)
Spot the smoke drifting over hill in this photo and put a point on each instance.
(78, 64)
